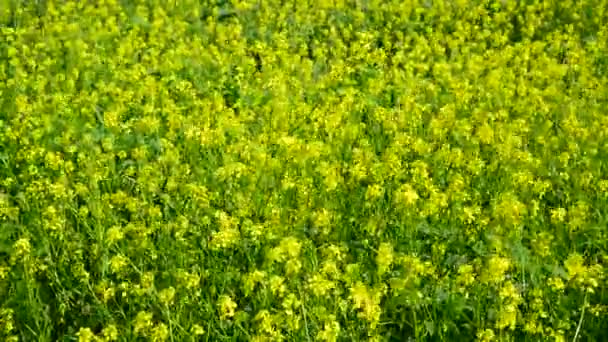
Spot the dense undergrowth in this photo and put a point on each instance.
(303, 170)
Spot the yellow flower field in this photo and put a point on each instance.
(303, 170)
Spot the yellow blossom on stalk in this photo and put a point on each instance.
(110, 333)
(277, 285)
(406, 195)
(160, 333)
(115, 234)
(85, 335)
(556, 284)
(252, 279)
(509, 295)
(143, 323)
(22, 247)
(197, 330)
(288, 248)
(486, 134)
(167, 295)
(292, 267)
(330, 331)
(118, 263)
(147, 280)
(578, 214)
(586, 276)
(291, 303)
(374, 192)
(574, 266)
(465, 277)
(190, 280)
(330, 269)
(322, 219)
(496, 269)
(384, 257)
(367, 302)
(106, 291)
(558, 215)
(486, 335)
(470, 214)
(225, 238)
(226, 306)
(320, 286)
(4, 272)
(510, 208)
(542, 243)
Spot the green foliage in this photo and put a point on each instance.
(303, 170)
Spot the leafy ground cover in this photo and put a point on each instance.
(305, 170)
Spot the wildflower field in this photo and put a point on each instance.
(303, 170)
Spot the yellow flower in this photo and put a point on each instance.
(470, 214)
(277, 285)
(252, 279)
(107, 294)
(110, 333)
(330, 269)
(143, 323)
(118, 263)
(167, 295)
(226, 306)
(509, 291)
(331, 330)
(374, 192)
(22, 247)
(507, 317)
(160, 333)
(225, 238)
(406, 194)
(147, 280)
(367, 302)
(292, 267)
(197, 330)
(4, 272)
(115, 234)
(290, 246)
(319, 285)
(85, 335)
(558, 215)
(322, 220)
(466, 276)
(574, 266)
(497, 268)
(556, 284)
(384, 257)
(486, 134)
(510, 208)
(189, 280)
(486, 335)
